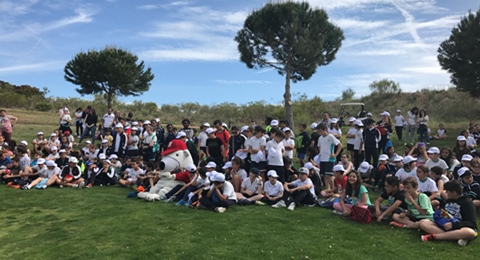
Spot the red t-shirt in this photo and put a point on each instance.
(225, 137)
(183, 176)
(341, 183)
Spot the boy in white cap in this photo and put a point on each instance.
(464, 162)
(471, 188)
(409, 169)
(220, 196)
(434, 160)
(119, 143)
(272, 189)
(71, 175)
(340, 183)
(251, 188)
(45, 178)
(275, 151)
(365, 171)
(300, 191)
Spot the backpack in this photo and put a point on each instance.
(298, 141)
(360, 214)
(328, 203)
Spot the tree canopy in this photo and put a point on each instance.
(111, 71)
(292, 38)
(460, 54)
(385, 86)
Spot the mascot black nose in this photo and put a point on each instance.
(161, 165)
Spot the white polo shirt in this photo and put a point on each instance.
(427, 185)
(277, 158)
(327, 144)
(247, 184)
(440, 162)
(108, 120)
(273, 190)
(299, 183)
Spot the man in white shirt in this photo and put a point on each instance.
(202, 138)
(107, 121)
(298, 192)
(399, 124)
(221, 194)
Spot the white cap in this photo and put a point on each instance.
(40, 161)
(245, 127)
(398, 110)
(191, 168)
(88, 142)
(303, 170)
(383, 157)
(24, 142)
(134, 129)
(104, 141)
(408, 159)
(334, 121)
(102, 156)
(157, 119)
(434, 150)
(134, 123)
(54, 148)
(313, 125)
(398, 158)
(147, 122)
(224, 125)
(338, 168)
(211, 165)
(227, 165)
(40, 133)
(274, 122)
(73, 160)
(62, 151)
(51, 163)
(352, 119)
(107, 161)
(358, 122)
(206, 124)
(364, 166)
(461, 138)
(287, 129)
(462, 171)
(369, 114)
(385, 113)
(218, 177)
(272, 173)
(113, 156)
(209, 130)
(467, 157)
(308, 165)
(181, 134)
(119, 125)
(53, 134)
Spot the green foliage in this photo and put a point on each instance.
(460, 54)
(291, 37)
(43, 107)
(385, 86)
(347, 94)
(111, 71)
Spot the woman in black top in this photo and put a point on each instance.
(90, 125)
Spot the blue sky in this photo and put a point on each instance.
(189, 45)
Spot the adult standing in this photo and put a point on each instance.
(186, 128)
(423, 127)
(65, 121)
(399, 124)
(6, 125)
(411, 127)
(90, 125)
(223, 135)
(79, 122)
(108, 121)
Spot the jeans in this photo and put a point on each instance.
(423, 133)
(410, 134)
(399, 130)
(89, 131)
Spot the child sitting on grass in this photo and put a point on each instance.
(395, 198)
(460, 207)
(130, 175)
(441, 133)
(471, 188)
(419, 206)
(425, 184)
(340, 183)
(356, 192)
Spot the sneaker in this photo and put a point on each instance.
(25, 187)
(163, 197)
(337, 212)
(180, 203)
(16, 186)
(280, 204)
(428, 237)
(220, 209)
(89, 185)
(291, 207)
(259, 203)
(396, 224)
(134, 187)
(10, 184)
(188, 203)
(43, 187)
(75, 186)
(61, 186)
(462, 242)
(81, 185)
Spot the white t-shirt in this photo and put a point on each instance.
(440, 132)
(288, 142)
(351, 131)
(358, 139)
(132, 174)
(228, 190)
(49, 173)
(430, 164)
(299, 183)
(255, 143)
(247, 184)
(65, 119)
(41, 172)
(334, 131)
(275, 159)
(423, 120)
(471, 141)
(402, 174)
(202, 139)
(108, 120)
(326, 145)
(133, 146)
(203, 182)
(273, 190)
(399, 120)
(242, 173)
(411, 118)
(428, 185)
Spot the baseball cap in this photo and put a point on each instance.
(181, 134)
(303, 170)
(119, 125)
(313, 125)
(464, 171)
(53, 134)
(274, 122)
(385, 113)
(113, 156)
(467, 157)
(66, 133)
(271, 173)
(338, 168)
(352, 119)
(134, 123)
(369, 114)
(147, 122)
(383, 157)
(134, 129)
(398, 158)
(24, 142)
(104, 141)
(244, 128)
(89, 163)
(218, 177)
(157, 119)
(211, 165)
(50, 164)
(398, 110)
(308, 165)
(73, 160)
(62, 151)
(41, 161)
(364, 166)
(88, 142)
(433, 150)
(54, 148)
(420, 144)
(286, 129)
(40, 133)
(461, 138)
(227, 165)
(102, 156)
(209, 130)
(334, 121)
(408, 159)
(191, 168)
(225, 125)
(206, 124)
(358, 122)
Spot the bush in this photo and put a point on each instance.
(43, 107)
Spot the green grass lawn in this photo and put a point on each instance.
(101, 223)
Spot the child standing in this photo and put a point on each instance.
(328, 154)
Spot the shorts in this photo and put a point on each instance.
(301, 156)
(350, 147)
(326, 168)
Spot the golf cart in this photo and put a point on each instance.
(348, 110)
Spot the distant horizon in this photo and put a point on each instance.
(189, 44)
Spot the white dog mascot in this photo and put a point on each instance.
(175, 158)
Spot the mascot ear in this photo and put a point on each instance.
(186, 153)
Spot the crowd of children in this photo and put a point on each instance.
(425, 188)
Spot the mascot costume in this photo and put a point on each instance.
(175, 158)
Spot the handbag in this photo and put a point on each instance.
(360, 214)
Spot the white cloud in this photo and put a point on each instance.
(43, 66)
(147, 7)
(243, 82)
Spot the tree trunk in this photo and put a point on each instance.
(288, 101)
(109, 100)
